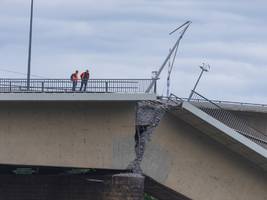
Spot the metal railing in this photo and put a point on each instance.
(228, 118)
(65, 86)
(173, 98)
(218, 102)
(226, 103)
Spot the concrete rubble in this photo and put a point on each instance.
(148, 117)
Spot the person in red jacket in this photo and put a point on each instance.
(74, 78)
(84, 78)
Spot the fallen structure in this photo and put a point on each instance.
(182, 151)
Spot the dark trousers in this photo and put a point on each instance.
(74, 84)
(83, 83)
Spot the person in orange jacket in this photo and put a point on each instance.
(74, 78)
(84, 77)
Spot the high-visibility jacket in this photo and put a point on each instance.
(85, 76)
(74, 77)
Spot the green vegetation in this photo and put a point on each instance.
(148, 197)
(80, 171)
(24, 171)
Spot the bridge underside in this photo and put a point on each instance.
(38, 182)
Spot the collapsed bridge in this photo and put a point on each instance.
(186, 150)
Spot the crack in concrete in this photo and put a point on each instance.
(148, 117)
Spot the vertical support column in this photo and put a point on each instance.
(42, 86)
(155, 87)
(106, 86)
(125, 187)
(10, 86)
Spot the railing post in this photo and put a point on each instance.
(42, 86)
(155, 87)
(106, 84)
(190, 96)
(10, 89)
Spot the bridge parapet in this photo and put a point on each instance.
(131, 86)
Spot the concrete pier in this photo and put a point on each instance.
(125, 187)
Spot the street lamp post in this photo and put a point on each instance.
(185, 26)
(30, 49)
(204, 68)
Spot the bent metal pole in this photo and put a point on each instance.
(204, 68)
(30, 49)
(186, 24)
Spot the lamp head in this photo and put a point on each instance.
(205, 67)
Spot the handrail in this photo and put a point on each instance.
(16, 85)
(96, 79)
(207, 100)
(219, 101)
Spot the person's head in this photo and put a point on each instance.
(76, 72)
(87, 71)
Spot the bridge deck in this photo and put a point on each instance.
(76, 97)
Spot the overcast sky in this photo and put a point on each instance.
(129, 39)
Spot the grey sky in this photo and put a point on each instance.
(129, 39)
